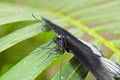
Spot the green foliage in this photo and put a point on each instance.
(21, 34)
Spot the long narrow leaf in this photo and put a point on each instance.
(20, 35)
(32, 65)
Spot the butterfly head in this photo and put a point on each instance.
(62, 42)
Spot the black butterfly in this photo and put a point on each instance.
(101, 67)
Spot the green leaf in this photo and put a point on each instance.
(72, 70)
(17, 36)
(10, 13)
(112, 28)
(32, 65)
(116, 43)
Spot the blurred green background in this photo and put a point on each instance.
(92, 13)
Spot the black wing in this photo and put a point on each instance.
(93, 59)
(56, 28)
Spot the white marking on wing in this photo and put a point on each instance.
(113, 67)
(93, 48)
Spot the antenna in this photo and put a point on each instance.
(36, 17)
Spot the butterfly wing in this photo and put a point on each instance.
(56, 28)
(113, 67)
(53, 26)
(93, 58)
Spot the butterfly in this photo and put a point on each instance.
(101, 67)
